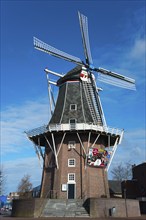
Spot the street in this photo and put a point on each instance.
(6, 217)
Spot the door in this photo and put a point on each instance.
(72, 122)
(71, 191)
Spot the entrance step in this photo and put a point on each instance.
(65, 208)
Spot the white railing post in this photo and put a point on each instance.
(79, 126)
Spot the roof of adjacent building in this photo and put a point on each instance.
(142, 165)
(115, 186)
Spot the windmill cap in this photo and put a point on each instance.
(72, 75)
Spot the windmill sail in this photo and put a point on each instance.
(115, 79)
(40, 45)
(85, 37)
(104, 75)
(116, 82)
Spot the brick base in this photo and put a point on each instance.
(96, 207)
(28, 207)
(113, 207)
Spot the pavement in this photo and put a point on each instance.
(3, 217)
(7, 216)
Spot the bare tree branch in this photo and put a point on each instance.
(25, 185)
(122, 172)
(3, 179)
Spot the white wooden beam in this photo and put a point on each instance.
(81, 143)
(56, 158)
(52, 72)
(113, 153)
(95, 140)
(61, 143)
(48, 143)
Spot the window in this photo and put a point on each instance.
(71, 177)
(72, 122)
(71, 162)
(71, 145)
(73, 107)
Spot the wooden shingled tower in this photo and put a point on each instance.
(76, 145)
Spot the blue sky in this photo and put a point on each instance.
(117, 39)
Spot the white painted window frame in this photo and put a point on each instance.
(74, 108)
(71, 165)
(71, 180)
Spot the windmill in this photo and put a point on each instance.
(77, 140)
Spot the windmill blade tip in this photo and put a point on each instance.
(34, 38)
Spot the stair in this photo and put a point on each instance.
(93, 102)
(64, 208)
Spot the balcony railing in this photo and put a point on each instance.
(77, 126)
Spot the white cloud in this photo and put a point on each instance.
(138, 49)
(16, 119)
(132, 149)
(134, 141)
(136, 134)
(18, 155)
(16, 169)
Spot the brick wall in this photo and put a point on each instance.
(97, 183)
(102, 207)
(97, 207)
(89, 181)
